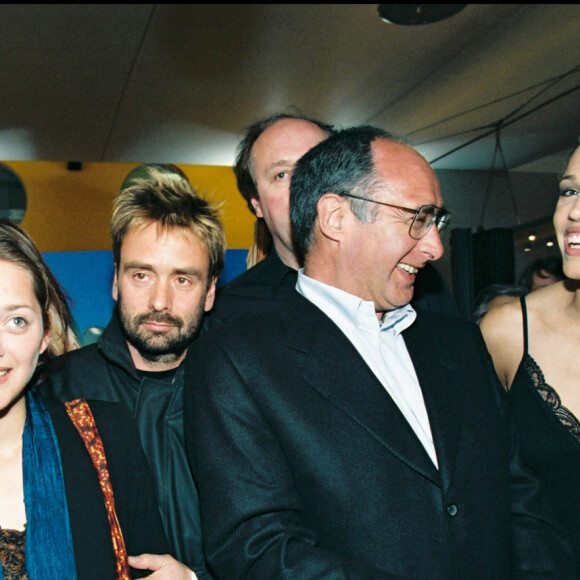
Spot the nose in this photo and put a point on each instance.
(574, 213)
(161, 296)
(431, 244)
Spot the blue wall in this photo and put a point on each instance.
(87, 278)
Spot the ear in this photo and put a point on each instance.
(44, 342)
(331, 214)
(115, 289)
(257, 207)
(210, 296)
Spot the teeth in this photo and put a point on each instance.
(407, 268)
(2, 373)
(574, 239)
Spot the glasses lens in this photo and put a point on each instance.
(424, 219)
(442, 220)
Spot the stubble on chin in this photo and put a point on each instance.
(159, 347)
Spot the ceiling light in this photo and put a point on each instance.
(532, 237)
(527, 248)
(414, 14)
(549, 243)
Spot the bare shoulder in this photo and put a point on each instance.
(503, 323)
(502, 329)
(546, 306)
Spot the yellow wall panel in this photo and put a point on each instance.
(70, 210)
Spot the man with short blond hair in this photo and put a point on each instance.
(168, 249)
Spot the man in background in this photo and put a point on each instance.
(168, 249)
(541, 272)
(264, 164)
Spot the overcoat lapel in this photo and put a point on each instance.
(333, 367)
(443, 397)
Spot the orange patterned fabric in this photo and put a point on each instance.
(82, 418)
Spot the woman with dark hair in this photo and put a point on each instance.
(534, 343)
(541, 272)
(74, 499)
(492, 296)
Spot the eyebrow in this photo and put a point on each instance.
(149, 267)
(281, 163)
(137, 266)
(570, 177)
(188, 271)
(13, 307)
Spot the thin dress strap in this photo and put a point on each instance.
(525, 320)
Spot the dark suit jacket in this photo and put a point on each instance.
(307, 469)
(257, 290)
(135, 499)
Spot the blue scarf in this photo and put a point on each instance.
(49, 549)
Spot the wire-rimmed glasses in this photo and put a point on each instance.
(424, 216)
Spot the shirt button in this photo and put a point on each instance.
(452, 509)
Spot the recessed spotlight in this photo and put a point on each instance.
(549, 243)
(415, 14)
(532, 237)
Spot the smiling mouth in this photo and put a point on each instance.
(407, 268)
(573, 240)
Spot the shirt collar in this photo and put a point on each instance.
(338, 304)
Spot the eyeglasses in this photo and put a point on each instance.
(425, 216)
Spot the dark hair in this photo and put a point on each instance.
(243, 168)
(343, 163)
(17, 247)
(489, 293)
(543, 268)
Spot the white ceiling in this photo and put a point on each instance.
(174, 83)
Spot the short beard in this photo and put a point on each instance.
(160, 347)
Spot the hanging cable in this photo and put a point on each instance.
(126, 84)
(550, 82)
(508, 179)
(506, 124)
(490, 180)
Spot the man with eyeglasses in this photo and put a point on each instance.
(264, 163)
(343, 436)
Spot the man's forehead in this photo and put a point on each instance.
(285, 141)
(397, 163)
(389, 151)
(153, 233)
(158, 230)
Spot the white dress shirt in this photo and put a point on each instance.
(381, 345)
